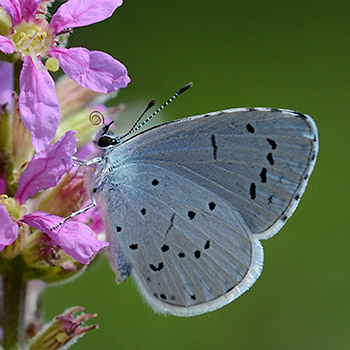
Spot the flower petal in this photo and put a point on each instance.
(6, 82)
(8, 229)
(94, 70)
(82, 13)
(13, 8)
(74, 237)
(38, 104)
(28, 8)
(47, 167)
(6, 45)
(93, 218)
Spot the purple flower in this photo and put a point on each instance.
(6, 82)
(34, 39)
(8, 229)
(47, 167)
(75, 238)
(45, 170)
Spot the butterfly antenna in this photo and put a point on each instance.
(150, 104)
(136, 127)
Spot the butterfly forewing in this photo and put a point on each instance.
(191, 197)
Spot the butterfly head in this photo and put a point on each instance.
(104, 138)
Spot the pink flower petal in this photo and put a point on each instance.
(93, 70)
(6, 82)
(93, 218)
(13, 8)
(8, 229)
(47, 167)
(28, 8)
(38, 104)
(6, 45)
(80, 13)
(86, 151)
(74, 237)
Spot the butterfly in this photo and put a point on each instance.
(187, 202)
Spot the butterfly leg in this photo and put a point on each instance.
(78, 212)
(79, 162)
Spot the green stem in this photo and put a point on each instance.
(14, 295)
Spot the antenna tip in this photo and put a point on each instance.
(184, 88)
(151, 104)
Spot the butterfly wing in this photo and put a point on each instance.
(188, 201)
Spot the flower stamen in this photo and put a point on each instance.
(35, 60)
(32, 38)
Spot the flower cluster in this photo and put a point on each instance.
(29, 37)
(39, 184)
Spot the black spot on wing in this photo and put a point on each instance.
(156, 268)
(191, 214)
(263, 175)
(211, 206)
(215, 147)
(252, 191)
(272, 143)
(143, 211)
(197, 254)
(155, 182)
(181, 255)
(270, 159)
(133, 246)
(250, 128)
(164, 248)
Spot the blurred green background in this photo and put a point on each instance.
(290, 54)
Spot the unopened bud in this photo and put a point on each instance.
(52, 64)
(63, 330)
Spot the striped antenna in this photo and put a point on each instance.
(136, 127)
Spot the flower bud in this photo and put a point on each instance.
(63, 331)
(48, 262)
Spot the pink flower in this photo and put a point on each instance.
(34, 39)
(44, 171)
(8, 229)
(75, 238)
(47, 167)
(6, 82)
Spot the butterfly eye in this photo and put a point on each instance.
(105, 141)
